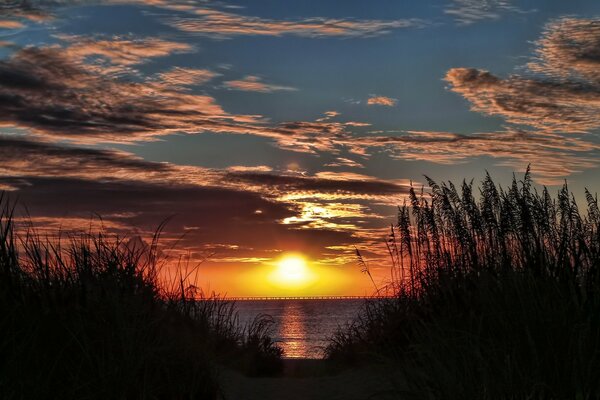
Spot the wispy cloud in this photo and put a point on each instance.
(344, 162)
(10, 24)
(220, 24)
(467, 12)
(122, 51)
(253, 83)
(177, 77)
(382, 101)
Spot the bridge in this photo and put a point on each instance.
(260, 298)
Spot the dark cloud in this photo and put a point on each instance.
(61, 184)
(20, 157)
(23, 157)
(51, 93)
(199, 218)
(295, 183)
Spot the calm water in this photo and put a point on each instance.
(302, 326)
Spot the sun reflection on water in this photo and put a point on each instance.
(293, 331)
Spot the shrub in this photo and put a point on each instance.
(92, 320)
(494, 298)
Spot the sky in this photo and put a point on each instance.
(259, 129)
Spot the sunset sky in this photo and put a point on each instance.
(268, 128)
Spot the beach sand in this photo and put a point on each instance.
(307, 379)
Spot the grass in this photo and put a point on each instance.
(495, 298)
(89, 318)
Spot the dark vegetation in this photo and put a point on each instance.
(86, 318)
(495, 298)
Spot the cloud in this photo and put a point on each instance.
(141, 206)
(245, 168)
(327, 115)
(29, 10)
(24, 158)
(552, 156)
(10, 24)
(467, 12)
(541, 104)
(569, 49)
(335, 185)
(344, 162)
(547, 106)
(252, 83)
(64, 185)
(220, 24)
(122, 51)
(47, 90)
(381, 101)
(559, 93)
(177, 77)
(54, 93)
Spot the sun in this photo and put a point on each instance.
(292, 268)
(292, 271)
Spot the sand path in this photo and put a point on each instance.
(307, 380)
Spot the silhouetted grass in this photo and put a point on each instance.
(90, 319)
(495, 298)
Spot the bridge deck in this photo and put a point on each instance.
(250, 298)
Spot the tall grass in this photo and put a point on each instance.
(496, 297)
(89, 318)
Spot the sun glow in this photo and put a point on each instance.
(292, 272)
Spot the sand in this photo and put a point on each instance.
(305, 379)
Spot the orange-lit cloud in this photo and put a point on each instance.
(382, 101)
(122, 51)
(29, 10)
(540, 104)
(327, 115)
(344, 162)
(569, 49)
(252, 83)
(221, 24)
(565, 98)
(177, 77)
(10, 24)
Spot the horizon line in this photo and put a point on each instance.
(341, 297)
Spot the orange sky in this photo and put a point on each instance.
(256, 279)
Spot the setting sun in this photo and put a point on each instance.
(292, 272)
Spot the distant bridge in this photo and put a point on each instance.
(255, 298)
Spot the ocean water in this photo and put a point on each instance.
(302, 326)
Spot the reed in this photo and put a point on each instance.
(88, 317)
(495, 297)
